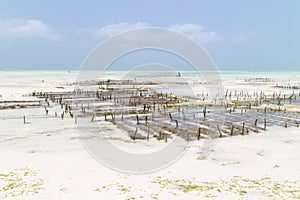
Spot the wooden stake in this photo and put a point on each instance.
(255, 123)
(148, 133)
(199, 133)
(232, 128)
(265, 124)
(243, 130)
(170, 116)
(135, 133)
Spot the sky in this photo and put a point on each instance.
(238, 35)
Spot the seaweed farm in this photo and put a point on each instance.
(145, 113)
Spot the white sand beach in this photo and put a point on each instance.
(44, 158)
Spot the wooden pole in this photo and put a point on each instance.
(148, 133)
(232, 128)
(170, 116)
(255, 123)
(199, 133)
(204, 112)
(243, 130)
(135, 133)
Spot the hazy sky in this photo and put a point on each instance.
(239, 35)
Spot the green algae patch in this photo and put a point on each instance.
(20, 182)
(236, 186)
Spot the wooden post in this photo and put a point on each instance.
(24, 120)
(135, 133)
(265, 124)
(137, 120)
(75, 119)
(199, 133)
(105, 118)
(93, 118)
(243, 130)
(232, 128)
(146, 120)
(148, 132)
(71, 114)
(255, 123)
(176, 123)
(170, 116)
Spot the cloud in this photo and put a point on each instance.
(196, 32)
(18, 28)
(242, 38)
(112, 29)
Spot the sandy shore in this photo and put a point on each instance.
(44, 158)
